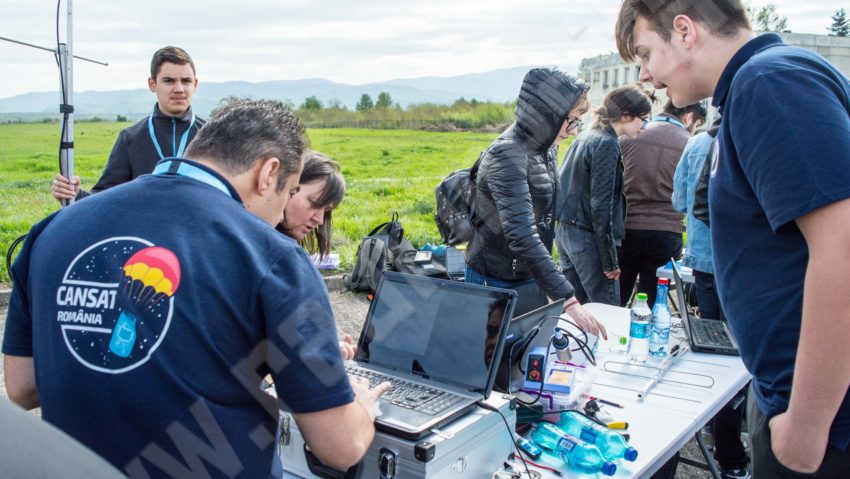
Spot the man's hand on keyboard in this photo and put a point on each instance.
(368, 398)
(347, 349)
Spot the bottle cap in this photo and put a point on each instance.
(664, 281)
(609, 468)
(630, 454)
(623, 340)
(641, 296)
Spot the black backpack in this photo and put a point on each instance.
(455, 205)
(376, 253)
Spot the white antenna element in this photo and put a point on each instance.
(66, 65)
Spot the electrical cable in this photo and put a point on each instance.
(10, 252)
(541, 466)
(488, 407)
(583, 347)
(582, 344)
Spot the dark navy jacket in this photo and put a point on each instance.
(134, 154)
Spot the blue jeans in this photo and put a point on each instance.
(582, 266)
(529, 295)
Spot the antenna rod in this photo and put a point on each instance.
(66, 65)
(52, 50)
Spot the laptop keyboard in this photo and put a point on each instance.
(407, 394)
(711, 333)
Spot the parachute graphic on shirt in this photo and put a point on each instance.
(150, 275)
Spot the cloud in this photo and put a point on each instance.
(350, 42)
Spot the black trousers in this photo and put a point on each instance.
(836, 463)
(641, 253)
(726, 429)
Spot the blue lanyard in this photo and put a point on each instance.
(177, 167)
(669, 120)
(183, 140)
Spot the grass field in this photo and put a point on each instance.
(386, 171)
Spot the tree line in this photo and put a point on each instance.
(383, 112)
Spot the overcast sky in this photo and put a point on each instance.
(341, 40)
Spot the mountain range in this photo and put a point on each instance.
(495, 85)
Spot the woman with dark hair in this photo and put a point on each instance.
(515, 197)
(591, 205)
(308, 214)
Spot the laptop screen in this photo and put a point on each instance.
(680, 292)
(444, 330)
(521, 331)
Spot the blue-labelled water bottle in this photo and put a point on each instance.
(659, 334)
(437, 250)
(580, 455)
(639, 330)
(611, 443)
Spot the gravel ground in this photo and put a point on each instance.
(350, 310)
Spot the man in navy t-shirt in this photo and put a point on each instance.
(143, 319)
(780, 216)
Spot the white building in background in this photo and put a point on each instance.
(607, 72)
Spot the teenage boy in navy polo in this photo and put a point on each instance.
(145, 336)
(165, 132)
(780, 215)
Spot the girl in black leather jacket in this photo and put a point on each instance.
(591, 205)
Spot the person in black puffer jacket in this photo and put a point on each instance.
(515, 197)
(591, 206)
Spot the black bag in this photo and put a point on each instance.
(455, 205)
(405, 262)
(376, 253)
(701, 189)
(370, 264)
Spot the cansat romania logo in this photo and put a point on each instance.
(116, 301)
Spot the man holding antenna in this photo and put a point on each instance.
(164, 133)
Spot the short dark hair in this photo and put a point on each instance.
(633, 100)
(319, 167)
(698, 109)
(170, 54)
(722, 17)
(245, 131)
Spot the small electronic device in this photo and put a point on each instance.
(527, 447)
(422, 257)
(557, 376)
(535, 367)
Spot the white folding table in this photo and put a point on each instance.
(690, 393)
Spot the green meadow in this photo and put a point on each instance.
(386, 171)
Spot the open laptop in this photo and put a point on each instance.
(705, 335)
(522, 330)
(438, 342)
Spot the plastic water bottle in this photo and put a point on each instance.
(659, 334)
(437, 250)
(580, 455)
(611, 443)
(639, 330)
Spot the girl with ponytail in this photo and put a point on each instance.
(591, 206)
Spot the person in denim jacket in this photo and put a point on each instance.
(698, 248)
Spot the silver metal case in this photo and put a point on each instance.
(473, 446)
